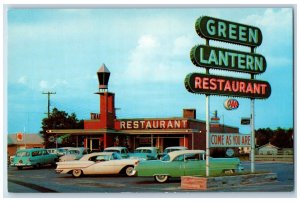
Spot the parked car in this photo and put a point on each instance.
(170, 149)
(97, 163)
(63, 150)
(74, 154)
(54, 151)
(145, 153)
(35, 157)
(123, 151)
(185, 162)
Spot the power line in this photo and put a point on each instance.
(49, 93)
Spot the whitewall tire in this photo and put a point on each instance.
(161, 178)
(76, 173)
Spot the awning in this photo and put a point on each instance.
(80, 131)
(125, 132)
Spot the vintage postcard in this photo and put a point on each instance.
(149, 99)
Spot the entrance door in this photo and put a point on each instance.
(94, 145)
(170, 142)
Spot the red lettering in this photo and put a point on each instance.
(227, 86)
(213, 85)
(242, 87)
(235, 86)
(198, 82)
(221, 81)
(206, 83)
(249, 88)
(263, 88)
(256, 88)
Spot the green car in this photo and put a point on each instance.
(34, 157)
(185, 163)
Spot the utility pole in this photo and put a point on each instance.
(49, 93)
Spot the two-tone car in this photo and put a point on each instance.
(97, 163)
(185, 163)
(35, 157)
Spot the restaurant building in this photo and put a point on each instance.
(104, 129)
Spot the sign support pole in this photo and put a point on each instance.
(252, 137)
(252, 126)
(207, 102)
(207, 135)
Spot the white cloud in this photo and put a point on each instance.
(182, 45)
(23, 80)
(277, 29)
(58, 83)
(43, 84)
(155, 60)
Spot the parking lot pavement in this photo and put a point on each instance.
(45, 180)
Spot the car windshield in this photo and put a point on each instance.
(111, 150)
(170, 150)
(142, 151)
(62, 150)
(73, 152)
(166, 158)
(103, 158)
(21, 154)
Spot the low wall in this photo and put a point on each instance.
(286, 158)
(203, 183)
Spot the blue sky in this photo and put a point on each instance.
(147, 53)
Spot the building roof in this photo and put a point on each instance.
(27, 139)
(103, 69)
(268, 145)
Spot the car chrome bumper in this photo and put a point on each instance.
(58, 171)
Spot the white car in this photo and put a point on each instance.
(97, 163)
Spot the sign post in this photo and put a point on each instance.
(207, 134)
(252, 136)
(208, 57)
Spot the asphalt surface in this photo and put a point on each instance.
(45, 180)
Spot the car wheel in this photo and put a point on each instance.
(228, 171)
(37, 166)
(161, 178)
(129, 171)
(77, 173)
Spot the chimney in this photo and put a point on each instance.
(189, 113)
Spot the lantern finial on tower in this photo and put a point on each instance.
(103, 77)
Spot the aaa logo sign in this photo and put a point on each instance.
(231, 104)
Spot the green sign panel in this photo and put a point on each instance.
(231, 32)
(226, 86)
(225, 59)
